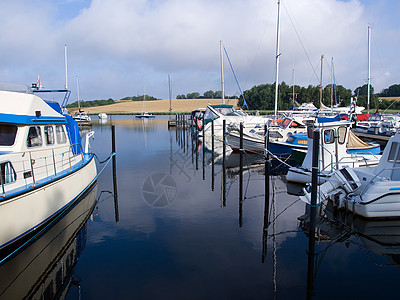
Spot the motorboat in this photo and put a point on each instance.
(82, 118)
(371, 192)
(145, 115)
(339, 146)
(216, 114)
(103, 116)
(43, 167)
(254, 137)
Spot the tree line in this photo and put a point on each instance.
(206, 95)
(262, 97)
(91, 103)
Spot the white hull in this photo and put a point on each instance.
(24, 213)
(250, 144)
(302, 175)
(380, 201)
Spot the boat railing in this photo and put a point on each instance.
(349, 160)
(21, 170)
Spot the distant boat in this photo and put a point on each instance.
(145, 115)
(80, 116)
(103, 116)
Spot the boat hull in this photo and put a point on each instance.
(25, 213)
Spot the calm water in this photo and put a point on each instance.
(179, 230)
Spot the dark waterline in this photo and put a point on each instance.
(181, 233)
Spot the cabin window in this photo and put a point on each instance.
(342, 134)
(34, 137)
(7, 134)
(8, 174)
(329, 136)
(392, 152)
(49, 134)
(60, 134)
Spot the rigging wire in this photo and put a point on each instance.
(301, 42)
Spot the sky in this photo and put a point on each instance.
(120, 48)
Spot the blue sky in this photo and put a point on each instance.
(121, 48)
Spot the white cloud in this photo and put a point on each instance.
(119, 47)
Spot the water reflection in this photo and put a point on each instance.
(43, 269)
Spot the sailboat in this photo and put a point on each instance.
(80, 116)
(145, 114)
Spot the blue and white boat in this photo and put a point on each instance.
(371, 192)
(43, 168)
(339, 147)
(254, 138)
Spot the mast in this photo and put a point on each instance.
(320, 87)
(222, 72)
(293, 86)
(277, 60)
(170, 92)
(66, 67)
(332, 86)
(369, 68)
(77, 88)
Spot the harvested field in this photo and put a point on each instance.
(155, 106)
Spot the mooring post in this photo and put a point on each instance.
(266, 188)
(313, 210)
(114, 170)
(241, 175)
(212, 155)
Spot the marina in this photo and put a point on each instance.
(172, 218)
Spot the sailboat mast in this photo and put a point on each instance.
(332, 86)
(293, 87)
(170, 92)
(222, 72)
(278, 27)
(369, 68)
(77, 88)
(66, 67)
(320, 86)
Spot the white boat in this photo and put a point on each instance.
(103, 116)
(338, 147)
(145, 115)
(42, 164)
(372, 192)
(253, 137)
(82, 118)
(233, 117)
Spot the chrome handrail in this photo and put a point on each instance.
(36, 171)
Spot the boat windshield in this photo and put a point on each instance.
(7, 134)
(285, 123)
(228, 111)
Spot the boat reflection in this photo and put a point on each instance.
(42, 269)
(378, 237)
